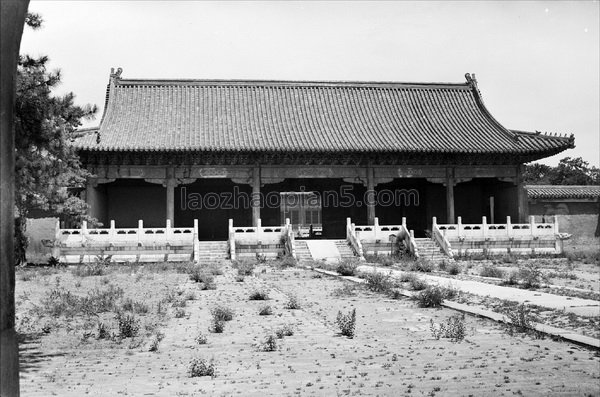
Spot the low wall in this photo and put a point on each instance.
(579, 219)
(37, 231)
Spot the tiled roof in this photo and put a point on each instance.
(274, 116)
(563, 192)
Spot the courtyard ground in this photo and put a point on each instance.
(65, 351)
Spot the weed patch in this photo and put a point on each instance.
(179, 313)
(200, 275)
(155, 342)
(93, 269)
(520, 320)
(347, 323)
(454, 269)
(60, 302)
(103, 332)
(201, 339)
(200, 367)
(531, 275)
(491, 271)
(259, 296)
(269, 344)
(128, 325)
(286, 330)
(432, 296)
(454, 328)
(138, 307)
(383, 260)
(379, 282)
(512, 278)
(265, 310)
(421, 265)
(217, 326)
(222, 313)
(347, 267)
(292, 303)
(244, 267)
(414, 282)
(563, 274)
(346, 290)
(287, 261)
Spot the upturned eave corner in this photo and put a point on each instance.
(113, 78)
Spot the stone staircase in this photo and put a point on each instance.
(429, 250)
(302, 252)
(212, 251)
(344, 248)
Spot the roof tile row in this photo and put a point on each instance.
(563, 192)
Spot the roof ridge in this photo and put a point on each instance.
(294, 83)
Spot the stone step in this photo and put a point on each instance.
(212, 251)
(429, 250)
(302, 252)
(344, 249)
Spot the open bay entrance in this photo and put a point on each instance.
(304, 210)
(324, 203)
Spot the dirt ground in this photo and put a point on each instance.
(393, 352)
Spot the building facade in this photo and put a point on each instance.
(577, 209)
(314, 152)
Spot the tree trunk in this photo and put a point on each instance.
(12, 19)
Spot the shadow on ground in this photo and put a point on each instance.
(30, 355)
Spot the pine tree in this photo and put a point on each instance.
(46, 162)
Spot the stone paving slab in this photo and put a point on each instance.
(582, 307)
(482, 312)
(323, 250)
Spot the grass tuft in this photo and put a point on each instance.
(259, 296)
(347, 323)
(200, 367)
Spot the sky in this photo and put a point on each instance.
(536, 62)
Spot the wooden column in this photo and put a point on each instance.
(450, 196)
(255, 202)
(370, 195)
(12, 19)
(92, 199)
(522, 202)
(170, 184)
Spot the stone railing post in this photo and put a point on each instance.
(231, 239)
(259, 231)
(168, 231)
(348, 226)
(484, 227)
(84, 232)
(532, 225)
(111, 231)
(459, 226)
(140, 231)
(509, 231)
